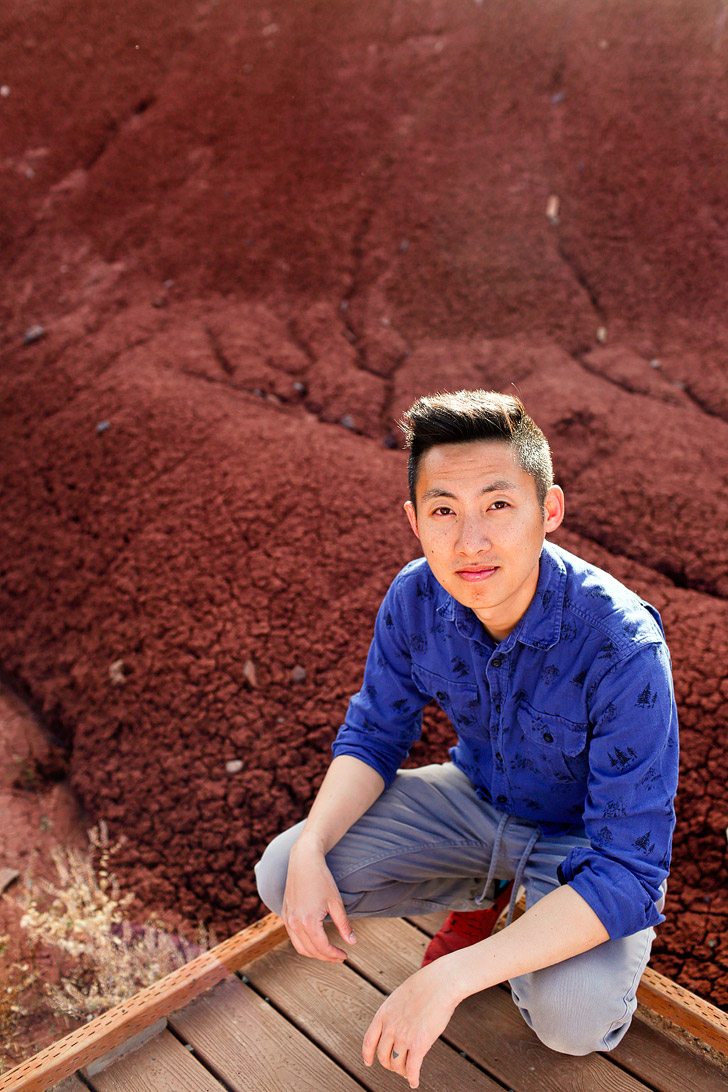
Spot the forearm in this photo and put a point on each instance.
(349, 788)
(557, 927)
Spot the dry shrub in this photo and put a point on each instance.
(104, 957)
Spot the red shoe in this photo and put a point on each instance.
(460, 930)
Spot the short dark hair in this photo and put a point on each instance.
(463, 417)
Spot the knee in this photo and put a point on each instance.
(271, 871)
(566, 1020)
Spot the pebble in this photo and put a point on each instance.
(601, 334)
(299, 388)
(33, 334)
(234, 766)
(117, 673)
(102, 426)
(552, 209)
(654, 363)
(348, 421)
(298, 674)
(4, 91)
(249, 673)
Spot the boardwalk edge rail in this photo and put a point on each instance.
(87, 1044)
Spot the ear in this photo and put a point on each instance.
(554, 506)
(411, 516)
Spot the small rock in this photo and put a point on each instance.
(33, 334)
(552, 209)
(655, 364)
(298, 674)
(558, 97)
(117, 673)
(348, 421)
(4, 91)
(299, 388)
(102, 426)
(601, 334)
(7, 876)
(249, 674)
(344, 306)
(234, 766)
(404, 246)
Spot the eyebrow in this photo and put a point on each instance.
(500, 486)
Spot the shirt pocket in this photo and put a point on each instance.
(558, 746)
(460, 700)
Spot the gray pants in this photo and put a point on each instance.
(429, 843)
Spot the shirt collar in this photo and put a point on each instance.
(540, 626)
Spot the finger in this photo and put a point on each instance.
(322, 946)
(371, 1040)
(337, 914)
(412, 1068)
(399, 1060)
(309, 939)
(384, 1052)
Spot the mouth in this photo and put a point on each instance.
(476, 574)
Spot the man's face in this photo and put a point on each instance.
(481, 528)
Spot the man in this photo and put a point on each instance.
(557, 681)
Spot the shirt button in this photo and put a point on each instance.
(497, 661)
(501, 799)
(548, 737)
(497, 707)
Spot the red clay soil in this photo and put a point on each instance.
(250, 236)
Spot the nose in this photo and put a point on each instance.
(472, 537)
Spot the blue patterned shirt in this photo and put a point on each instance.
(569, 722)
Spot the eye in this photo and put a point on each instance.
(443, 510)
(499, 505)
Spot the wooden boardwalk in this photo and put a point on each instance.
(284, 1023)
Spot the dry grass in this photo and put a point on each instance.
(101, 957)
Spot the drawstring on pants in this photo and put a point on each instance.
(519, 874)
(523, 861)
(504, 820)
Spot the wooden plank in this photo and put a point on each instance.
(334, 1006)
(487, 1026)
(689, 1012)
(161, 1065)
(250, 1046)
(71, 1084)
(428, 923)
(124, 1048)
(668, 1066)
(90, 1042)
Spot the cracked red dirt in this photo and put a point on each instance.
(251, 237)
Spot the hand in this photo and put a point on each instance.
(410, 1021)
(310, 896)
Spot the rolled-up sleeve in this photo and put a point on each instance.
(384, 718)
(629, 812)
